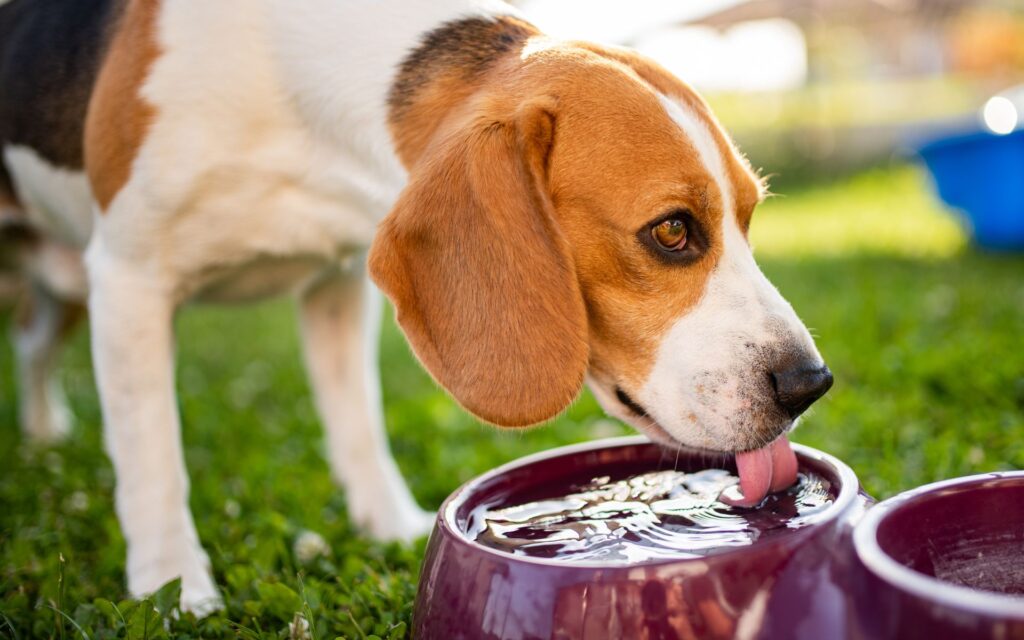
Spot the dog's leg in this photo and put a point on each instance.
(41, 323)
(132, 339)
(340, 329)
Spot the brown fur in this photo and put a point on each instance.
(475, 255)
(118, 116)
(481, 276)
(9, 207)
(610, 178)
(444, 71)
(748, 188)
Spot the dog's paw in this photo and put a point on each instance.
(420, 524)
(188, 561)
(404, 525)
(386, 511)
(201, 599)
(45, 425)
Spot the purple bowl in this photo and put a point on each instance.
(793, 585)
(945, 560)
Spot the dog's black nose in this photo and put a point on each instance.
(797, 388)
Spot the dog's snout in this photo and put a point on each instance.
(798, 387)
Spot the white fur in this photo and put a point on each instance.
(699, 388)
(703, 141)
(340, 317)
(265, 170)
(59, 269)
(133, 344)
(56, 200)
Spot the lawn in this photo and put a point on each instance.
(924, 336)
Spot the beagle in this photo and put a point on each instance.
(541, 213)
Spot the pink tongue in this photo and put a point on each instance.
(772, 468)
(783, 465)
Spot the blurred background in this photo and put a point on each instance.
(815, 88)
(912, 282)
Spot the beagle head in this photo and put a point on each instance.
(583, 217)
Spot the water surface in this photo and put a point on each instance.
(660, 514)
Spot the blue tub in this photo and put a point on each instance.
(982, 175)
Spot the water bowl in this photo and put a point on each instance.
(945, 560)
(765, 581)
(981, 175)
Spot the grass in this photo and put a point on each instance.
(923, 335)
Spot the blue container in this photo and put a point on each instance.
(982, 175)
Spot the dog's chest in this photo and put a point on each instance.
(255, 230)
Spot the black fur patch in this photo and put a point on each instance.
(469, 46)
(6, 187)
(50, 54)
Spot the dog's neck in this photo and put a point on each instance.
(344, 66)
(439, 77)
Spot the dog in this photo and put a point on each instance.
(543, 214)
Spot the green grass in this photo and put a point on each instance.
(924, 336)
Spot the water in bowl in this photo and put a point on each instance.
(649, 516)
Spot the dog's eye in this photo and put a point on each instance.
(670, 234)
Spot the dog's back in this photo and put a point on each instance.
(50, 52)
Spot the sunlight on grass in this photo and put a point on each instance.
(884, 211)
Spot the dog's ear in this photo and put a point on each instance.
(481, 277)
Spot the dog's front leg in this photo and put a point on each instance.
(132, 339)
(340, 328)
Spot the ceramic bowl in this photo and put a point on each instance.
(944, 561)
(793, 585)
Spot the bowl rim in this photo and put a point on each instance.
(959, 136)
(901, 577)
(446, 517)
